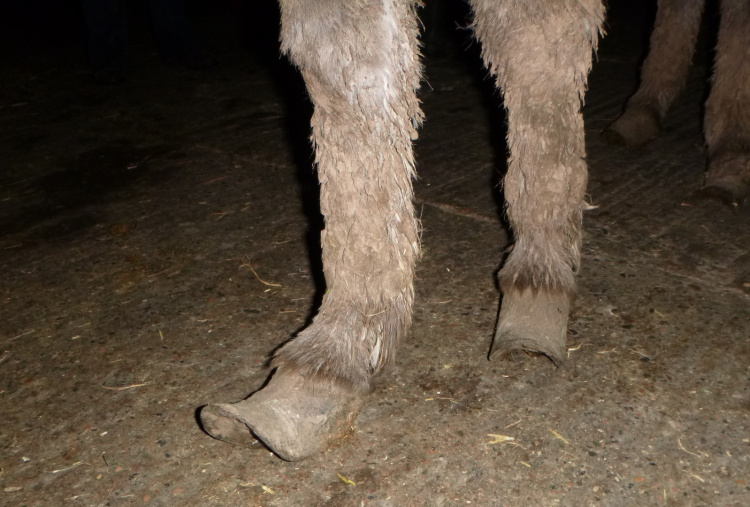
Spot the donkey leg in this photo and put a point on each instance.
(727, 121)
(360, 64)
(663, 75)
(540, 54)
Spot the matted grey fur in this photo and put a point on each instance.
(540, 54)
(361, 66)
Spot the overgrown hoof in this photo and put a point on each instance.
(294, 417)
(728, 179)
(635, 127)
(533, 321)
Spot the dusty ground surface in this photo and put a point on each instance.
(156, 242)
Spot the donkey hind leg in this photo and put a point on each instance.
(361, 67)
(540, 54)
(727, 121)
(663, 75)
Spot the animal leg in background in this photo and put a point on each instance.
(540, 54)
(360, 63)
(727, 122)
(663, 74)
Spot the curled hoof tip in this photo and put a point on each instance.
(221, 422)
(291, 417)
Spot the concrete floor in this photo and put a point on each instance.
(158, 240)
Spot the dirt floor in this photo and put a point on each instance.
(158, 239)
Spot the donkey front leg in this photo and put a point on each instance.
(663, 74)
(360, 63)
(727, 122)
(540, 53)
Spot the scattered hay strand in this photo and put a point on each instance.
(215, 179)
(679, 442)
(347, 481)
(500, 439)
(76, 464)
(557, 435)
(270, 284)
(698, 477)
(20, 335)
(123, 388)
(452, 400)
(512, 424)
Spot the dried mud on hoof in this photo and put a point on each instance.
(532, 321)
(635, 127)
(294, 417)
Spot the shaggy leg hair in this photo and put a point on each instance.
(727, 121)
(359, 59)
(540, 53)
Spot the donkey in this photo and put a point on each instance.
(360, 62)
(727, 113)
